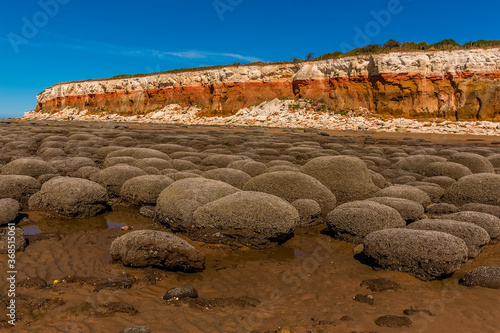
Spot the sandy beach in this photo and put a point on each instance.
(68, 282)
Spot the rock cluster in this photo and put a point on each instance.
(416, 206)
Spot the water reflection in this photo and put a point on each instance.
(113, 225)
(120, 217)
(299, 253)
(31, 230)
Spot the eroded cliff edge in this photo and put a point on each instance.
(461, 84)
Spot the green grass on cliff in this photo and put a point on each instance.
(395, 46)
(389, 46)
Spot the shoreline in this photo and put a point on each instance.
(282, 114)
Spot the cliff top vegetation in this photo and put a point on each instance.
(388, 47)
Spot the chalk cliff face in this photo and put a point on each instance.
(461, 84)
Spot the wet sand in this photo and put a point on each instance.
(305, 285)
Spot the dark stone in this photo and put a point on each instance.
(242, 301)
(368, 299)
(36, 282)
(412, 311)
(35, 238)
(393, 321)
(28, 166)
(83, 280)
(114, 307)
(102, 310)
(408, 209)
(380, 284)
(488, 222)
(144, 190)
(148, 211)
(136, 329)
(122, 282)
(485, 276)
(209, 304)
(181, 293)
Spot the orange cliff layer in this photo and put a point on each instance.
(462, 84)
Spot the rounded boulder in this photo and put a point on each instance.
(70, 197)
(352, 221)
(18, 187)
(482, 208)
(138, 153)
(429, 255)
(144, 190)
(114, 177)
(449, 169)
(9, 208)
(405, 192)
(474, 236)
(291, 186)
(485, 276)
(234, 177)
(476, 163)
(488, 222)
(177, 203)
(145, 248)
(408, 209)
(253, 219)
(416, 163)
(309, 212)
(482, 188)
(28, 167)
(346, 176)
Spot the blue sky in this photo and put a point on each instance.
(49, 41)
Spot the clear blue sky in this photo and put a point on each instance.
(42, 43)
